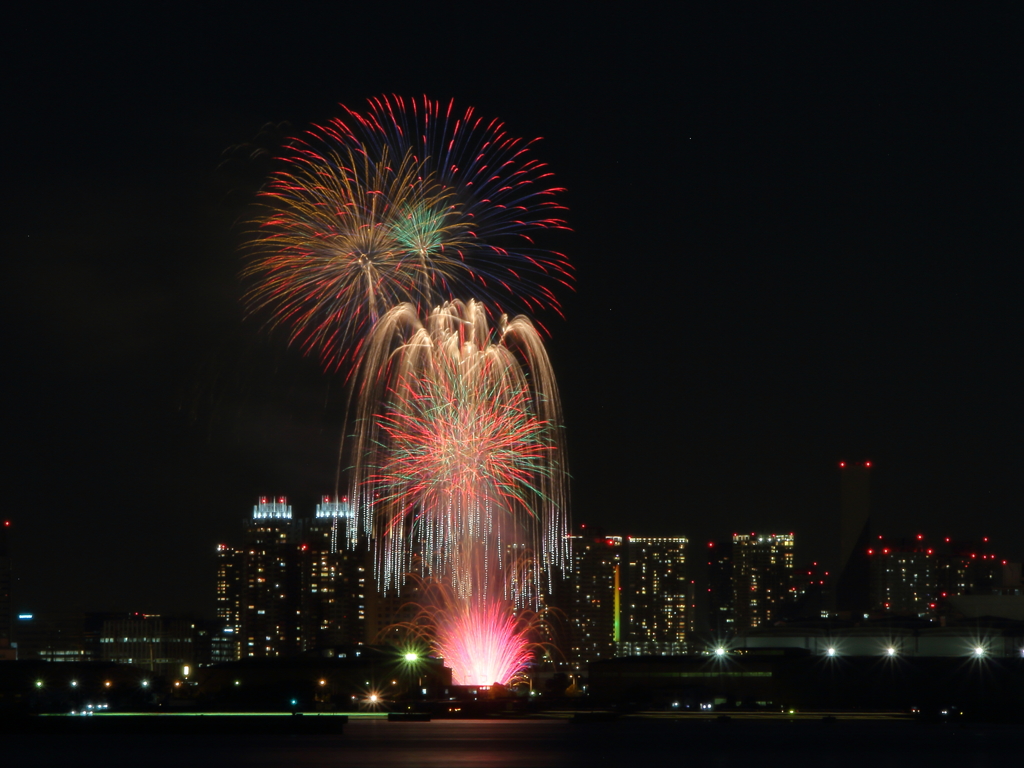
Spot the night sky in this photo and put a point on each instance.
(797, 235)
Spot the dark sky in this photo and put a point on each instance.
(797, 235)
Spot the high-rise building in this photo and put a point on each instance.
(658, 598)
(810, 594)
(902, 578)
(264, 578)
(761, 568)
(720, 595)
(914, 577)
(967, 568)
(227, 644)
(293, 585)
(339, 583)
(596, 595)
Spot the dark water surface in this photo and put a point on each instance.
(369, 744)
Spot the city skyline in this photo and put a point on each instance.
(298, 585)
(205, 606)
(297, 609)
(794, 236)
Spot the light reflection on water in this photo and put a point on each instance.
(511, 744)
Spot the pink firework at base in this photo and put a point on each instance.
(483, 643)
(459, 476)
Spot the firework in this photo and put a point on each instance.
(408, 201)
(460, 471)
(483, 642)
(502, 191)
(346, 240)
(460, 479)
(374, 219)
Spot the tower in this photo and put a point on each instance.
(6, 607)
(852, 590)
